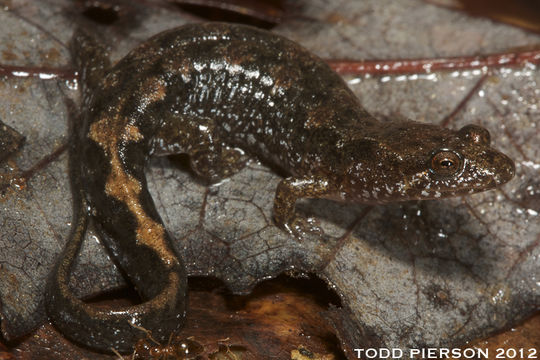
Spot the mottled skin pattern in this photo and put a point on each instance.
(222, 93)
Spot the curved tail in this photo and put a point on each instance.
(101, 328)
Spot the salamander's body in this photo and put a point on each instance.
(219, 92)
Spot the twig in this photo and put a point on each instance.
(408, 66)
(44, 73)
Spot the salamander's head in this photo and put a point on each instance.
(413, 161)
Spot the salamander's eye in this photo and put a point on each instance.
(445, 163)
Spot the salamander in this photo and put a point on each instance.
(222, 94)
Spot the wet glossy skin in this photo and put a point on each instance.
(222, 93)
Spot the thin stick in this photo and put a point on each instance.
(41, 72)
(415, 66)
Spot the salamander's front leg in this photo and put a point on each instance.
(288, 191)
(210, 158)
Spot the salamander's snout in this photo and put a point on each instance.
(505, 170)
(500, 166)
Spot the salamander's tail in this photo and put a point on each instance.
(99, 328)
(108, 329)
(89, 56)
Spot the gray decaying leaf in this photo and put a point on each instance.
(10, 141)
(413, 274)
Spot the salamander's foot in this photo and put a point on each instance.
(287, 192)
(300, 227)
(218, 165)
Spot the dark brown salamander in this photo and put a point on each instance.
(219, 93)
